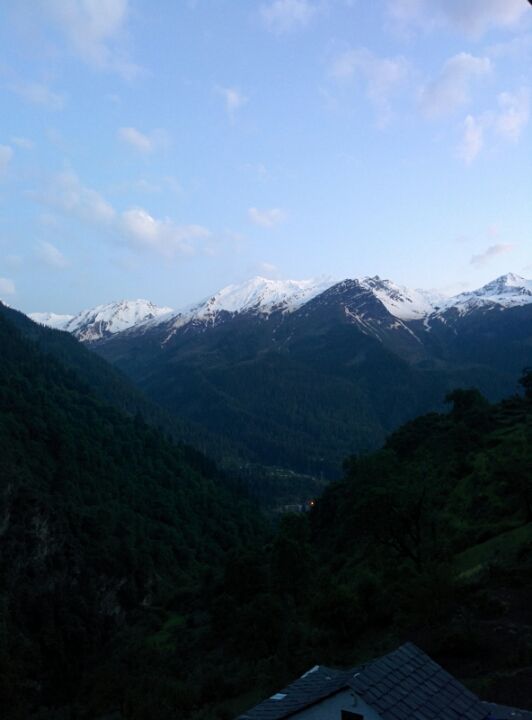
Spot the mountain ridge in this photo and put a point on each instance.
(262, 297)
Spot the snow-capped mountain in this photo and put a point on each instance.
(104, 320)
(268, 364)
(506, 291)
(402, 302)
(261, 296)
(52, 320)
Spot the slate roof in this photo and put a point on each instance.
(408, 685)
(503, 712)
(315, 685)
(403, 685)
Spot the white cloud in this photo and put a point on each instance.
(472, 140)
(6, 153)
(39, 94)
(384, 76)
(22, 142)
(93, 29)
(472, 17)
(507, 123)
(233, 99)
(66, 192)
(49, 255)
(7, 286)
(282, 16)
(475, 17)
(134, 137)
(266, 218)
(451, 89)
(268, 269)
(163, 236)
(142, 142)
(514, 114)
(491, 252)
(135, 226)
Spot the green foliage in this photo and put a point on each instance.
(104, 524)
(135, 583)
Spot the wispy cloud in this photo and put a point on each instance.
(6, 154)
(491, 252)
(135, 227)
(507, 124)
(452, 88)
(93, 30)
(67, 193)
(233, 99)
(163, 236)
(384, 76)
(266, 218)
(472, 139)
(51, 256)
(471, 17)
(282, 16)
(7, 286)
(39, 93)
(142, 142)
(513, 115)
(22, 142)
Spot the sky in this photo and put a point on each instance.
(166, 148)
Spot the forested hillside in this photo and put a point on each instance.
(135, 582)
(429, 539)
(104, 526)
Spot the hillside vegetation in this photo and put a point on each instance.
(134, 581)
(104, 525)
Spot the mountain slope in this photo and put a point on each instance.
(103, 523)
(333, 376)
(300, 374)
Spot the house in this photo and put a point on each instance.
(403, 685)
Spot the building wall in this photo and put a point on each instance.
(330, 709)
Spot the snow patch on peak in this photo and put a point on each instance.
(103, 320)
(401, 302)
(260, 296)
(52, 320)
(506, 291)
(263, 295)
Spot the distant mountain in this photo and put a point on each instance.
(506, 291)
(103, 320)
(262, 297)
(51, 320)
(299, 374)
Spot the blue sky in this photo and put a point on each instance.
(166, 148)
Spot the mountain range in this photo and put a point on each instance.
(263, 296)
(299, 374)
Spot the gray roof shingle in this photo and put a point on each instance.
(404, 685)
(315, 685)
(416, 688)
(503, 712)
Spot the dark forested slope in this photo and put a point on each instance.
(103, 526)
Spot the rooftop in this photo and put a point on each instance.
(406, 684)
